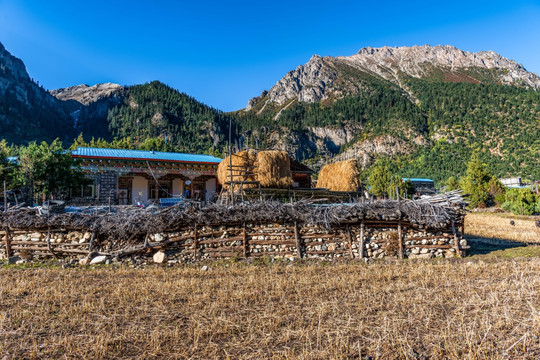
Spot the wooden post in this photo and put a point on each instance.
(349, 236)
(362, 244)
(8, 242)
(456, 240)
(244, 240)
(146, 240)
(48, 239)
(298, 240)
(195, 245)
(401, 253)
(91, 244)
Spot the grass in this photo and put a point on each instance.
(497, 226)
(480, 307)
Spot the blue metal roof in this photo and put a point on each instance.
(417, 179)
(143, 155)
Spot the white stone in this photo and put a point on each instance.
(98, 260)
(463, 242)
(160, 257)
(424, 251)
(159, 237)
(83, 261)
(204, 268)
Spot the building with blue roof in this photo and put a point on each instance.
(422, 186)
(139, 176)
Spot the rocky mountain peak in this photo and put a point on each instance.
(11, 66)
(85, 94)
(316, 80)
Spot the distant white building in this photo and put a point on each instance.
(512, 182)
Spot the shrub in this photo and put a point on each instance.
(521, 202)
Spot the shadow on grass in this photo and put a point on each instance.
(500, 247)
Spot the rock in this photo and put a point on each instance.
(83, 261)
(424, 251)
(463, 242)
(21, 261)
(13, 259)
(159, 237)
(160, 257)
(98, 260)
(204, 268)
(87, 236)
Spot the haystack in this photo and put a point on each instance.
(274, 169)
(340, 176)
(243, 168)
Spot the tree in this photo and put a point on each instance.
(48, 169)
(383, 180)
(476, 182)
(7, 168)
(451, 184)
(521, 202)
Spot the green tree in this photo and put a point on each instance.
(451, 184)
(476, 182)
(521, 201)
(46, 169)
(383, 180)
(7, 168)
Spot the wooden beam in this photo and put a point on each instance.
(195, 245)
(7, 242)
(362, 244)
(298, 238)
(401, 253)
(349, 237)
(244, 240)
(456, 240)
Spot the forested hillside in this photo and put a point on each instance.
(499, 121)
(157, 110)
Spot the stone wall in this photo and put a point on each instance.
(106, 183)
(375, 241)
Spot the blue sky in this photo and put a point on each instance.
(225, 52)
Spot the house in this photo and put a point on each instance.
(132, 176)
(301, 174)
(514, 182)
(422, 186)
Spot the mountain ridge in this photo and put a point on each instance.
(316, 80)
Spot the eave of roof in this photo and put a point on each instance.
(141, 155)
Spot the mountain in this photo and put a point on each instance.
(323, 78)
(27, 111)
(427, 107)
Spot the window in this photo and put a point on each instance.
(86, 191)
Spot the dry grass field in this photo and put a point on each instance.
(497, 226)
(479, 307)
